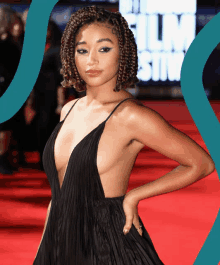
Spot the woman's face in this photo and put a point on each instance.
(97, 49)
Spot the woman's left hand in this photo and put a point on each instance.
(131, 214)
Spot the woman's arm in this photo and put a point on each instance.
(45, 224)
(149, 128)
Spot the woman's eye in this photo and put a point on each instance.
(106, 49)
(81, 51)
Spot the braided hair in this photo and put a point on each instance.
(128, 64)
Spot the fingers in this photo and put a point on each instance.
(128, 224)
(127, 227)
(131, 213)
(140, 231)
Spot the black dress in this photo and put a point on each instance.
(84, 227)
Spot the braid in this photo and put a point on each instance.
(128, 63)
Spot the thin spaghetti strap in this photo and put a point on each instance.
(117, 106)
(70, 109)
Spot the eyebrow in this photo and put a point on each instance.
(98, 41)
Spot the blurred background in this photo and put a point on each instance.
(163, 32)
(163, 35)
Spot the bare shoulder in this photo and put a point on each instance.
(66, 108)
(149, 128)
(135, 112)
(144, 124)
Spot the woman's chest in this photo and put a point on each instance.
(111, 146)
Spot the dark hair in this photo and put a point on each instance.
(128, 64)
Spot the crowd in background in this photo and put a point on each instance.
(31, 126)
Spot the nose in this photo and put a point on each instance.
(93, 58)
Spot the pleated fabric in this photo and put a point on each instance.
(84, 227)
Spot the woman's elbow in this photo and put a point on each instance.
(203, 168)
(208, 168)
(211, 167)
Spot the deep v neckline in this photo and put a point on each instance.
(71, 154)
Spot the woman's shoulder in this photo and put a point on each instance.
(135, 111)
(127, 111)
(65, 109)
(131, 105)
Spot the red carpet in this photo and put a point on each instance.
(178, 222)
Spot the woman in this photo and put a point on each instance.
(90, 154)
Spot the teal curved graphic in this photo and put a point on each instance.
(31, 58)
(204, 117)
(191, 82)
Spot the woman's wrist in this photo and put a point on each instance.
(131, 196)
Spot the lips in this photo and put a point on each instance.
(93, 72)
